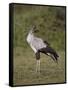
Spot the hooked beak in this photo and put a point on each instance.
(36, 30)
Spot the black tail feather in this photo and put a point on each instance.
(55, 55)
(48, 50)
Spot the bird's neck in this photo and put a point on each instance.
(30, 33)
(30, 37)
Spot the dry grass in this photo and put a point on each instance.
(25, 68)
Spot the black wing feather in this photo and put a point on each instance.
(50, 51)
(46, 42)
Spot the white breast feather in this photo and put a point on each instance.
(35, 43)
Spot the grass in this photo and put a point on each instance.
(25, 68)
(51, 24)
(48, 21)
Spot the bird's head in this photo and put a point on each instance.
(34, 29)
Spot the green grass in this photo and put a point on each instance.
(50, 21)
(25, 68)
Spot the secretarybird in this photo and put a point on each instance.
(40, 46)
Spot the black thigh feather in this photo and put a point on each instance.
(37, 55)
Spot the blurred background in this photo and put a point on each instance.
(49, 20)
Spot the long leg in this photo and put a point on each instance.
(37, 65)
(38, 62)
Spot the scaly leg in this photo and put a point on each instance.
(38, 66)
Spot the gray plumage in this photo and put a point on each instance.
(35, 42)
(38, 45)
